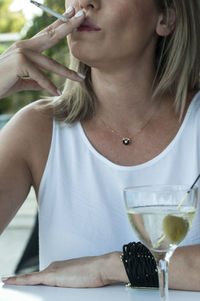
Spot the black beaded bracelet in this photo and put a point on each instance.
(140, 265)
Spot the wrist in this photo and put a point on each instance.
(112, 270)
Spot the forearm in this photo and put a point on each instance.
(97, 271)
(184, 269)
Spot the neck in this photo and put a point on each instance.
(124, 96)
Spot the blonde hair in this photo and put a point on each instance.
(177, 62)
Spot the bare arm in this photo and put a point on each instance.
(23, 59)
(184, 271)
(15, 176)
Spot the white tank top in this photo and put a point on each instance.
(81, 207)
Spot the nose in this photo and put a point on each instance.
(88, 4)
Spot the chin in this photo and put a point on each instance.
(85, 52)
(86, 56)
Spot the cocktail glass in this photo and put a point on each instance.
(161, 217)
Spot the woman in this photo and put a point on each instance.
(129, 122)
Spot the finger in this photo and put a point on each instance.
(28, 84)
(38, 76)
(27, 279)
(23, 84)
(52, 36)
(47, 63)
(68, 14)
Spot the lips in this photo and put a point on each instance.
(88, 26)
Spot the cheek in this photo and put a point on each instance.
(125, 17)
(121, 22)
(135, 12)
(133, 20)
(120, 13)
(117, 21)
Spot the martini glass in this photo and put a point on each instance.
(161, 217)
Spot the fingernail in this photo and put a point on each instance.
(4, 278)
(81, 75)
(69, 10)
(79, 14)
(59, 92)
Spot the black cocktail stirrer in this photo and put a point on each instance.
(188, 191)
(194, 183)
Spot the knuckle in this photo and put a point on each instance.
(50, 32)
(18, 44)
(48, 28)
(19, 50)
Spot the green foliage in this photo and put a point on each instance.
(2, 48)
(59, 52)
(58, 5)
(10, 21)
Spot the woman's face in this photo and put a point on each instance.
(128, 30)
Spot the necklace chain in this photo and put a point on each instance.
(125, 139)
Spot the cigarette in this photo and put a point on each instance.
(50, 11)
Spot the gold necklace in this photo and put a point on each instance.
(124, 139)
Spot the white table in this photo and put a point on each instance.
(115, 293)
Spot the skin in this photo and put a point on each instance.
(122, 82)
(21, 59)
(115, 20)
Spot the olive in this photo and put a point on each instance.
(175, 228)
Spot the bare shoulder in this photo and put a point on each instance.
(29, 131)
(33, 115)
(27, 138)
(32, 120)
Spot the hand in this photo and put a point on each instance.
(93, 271)
(25, 59)
(81, 272)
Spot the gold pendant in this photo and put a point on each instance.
(126, 141)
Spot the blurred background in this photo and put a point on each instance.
(19, 19)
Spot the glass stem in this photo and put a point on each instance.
(162, 265)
